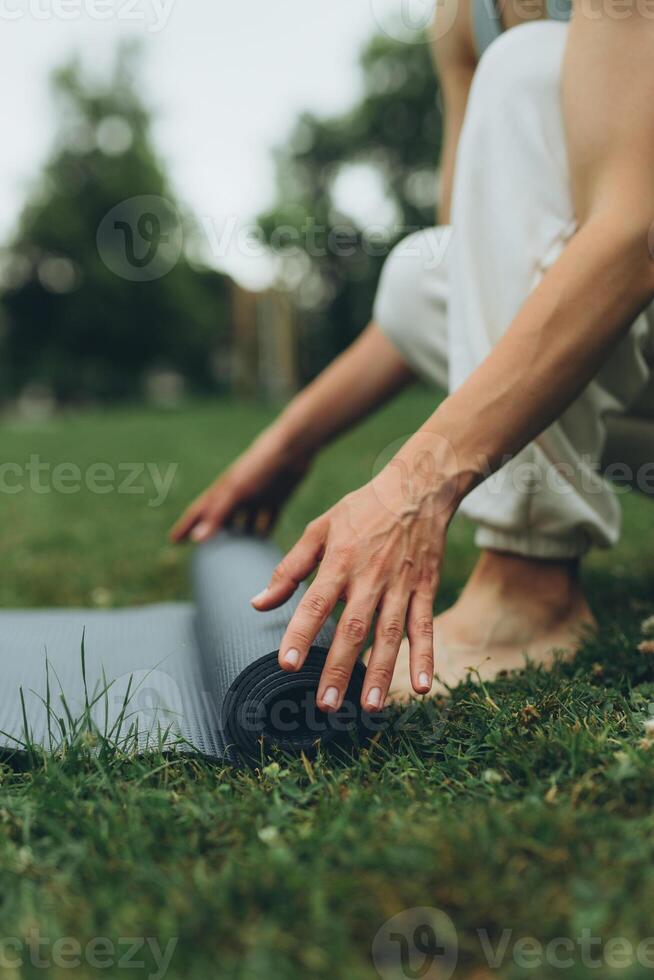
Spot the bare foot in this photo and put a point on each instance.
(512, 608)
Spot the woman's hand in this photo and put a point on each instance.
(380, 549)
(250, 494)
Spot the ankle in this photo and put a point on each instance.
(553, 583)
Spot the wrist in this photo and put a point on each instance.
(293, 433)
(285, 441)
(433, 477)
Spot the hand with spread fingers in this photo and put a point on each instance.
(249, 495)
(380, 550)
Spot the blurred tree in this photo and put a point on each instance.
(96, 291)
(329, 261)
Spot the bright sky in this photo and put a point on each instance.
(227, 78)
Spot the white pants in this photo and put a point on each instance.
(445, 299)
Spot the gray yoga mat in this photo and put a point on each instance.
(200, 676)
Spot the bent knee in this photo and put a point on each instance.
(411, 304)
(420, 256)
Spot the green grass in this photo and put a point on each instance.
(537, 821)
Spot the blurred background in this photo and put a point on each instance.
(198, 198)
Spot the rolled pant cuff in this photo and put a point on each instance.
(533, 545)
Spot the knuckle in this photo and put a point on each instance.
(317, 604)
(282, 573)
(341, 558)
(355, 628)
(299, 636)
(379, 561)
(423, 627)
(382, 674)
(392, 631)
(340, 674)
(312, 529)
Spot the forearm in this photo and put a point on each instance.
(554, 347)
(361, 379)
(587, 301)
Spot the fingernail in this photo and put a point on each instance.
(330, 697)
(425, 680)
(292, 658)
(374, 697)
(261, 597)
(200, 531)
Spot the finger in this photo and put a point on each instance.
(257, 520)
(239, 519)
(351, 633)
(181, 529)
(420, 628)
(215, 516)
(263, 522)
(307, 621)
(389, 632)
(294, 568)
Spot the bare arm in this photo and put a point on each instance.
(361, 379)
(604, 278)
(455, 61)
(382, 547)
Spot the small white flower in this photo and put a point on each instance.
(648, 725)
(101, 598)
(647, 627)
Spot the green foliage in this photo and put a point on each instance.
(526, 806)
(332, 263)
(70, 322)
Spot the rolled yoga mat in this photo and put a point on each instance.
(202, 677)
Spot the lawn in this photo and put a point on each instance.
(521, 810)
